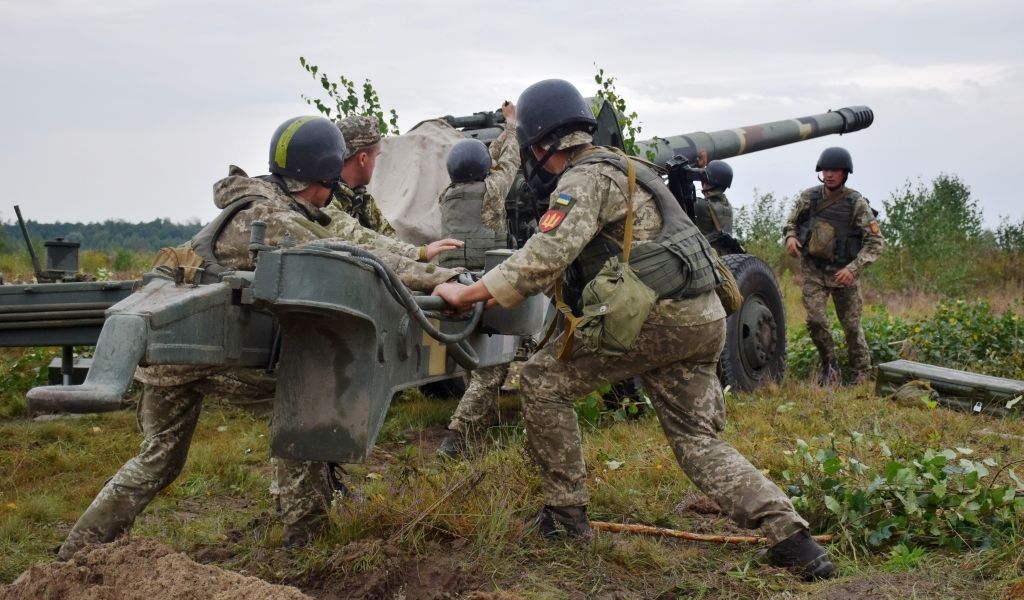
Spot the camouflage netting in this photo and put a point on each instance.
(410, 176)
(139, 569)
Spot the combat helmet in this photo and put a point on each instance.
(308, 149)
(719, 174)
(549, 109)
(835, 158)
(468, 160)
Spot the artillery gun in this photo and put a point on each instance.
(755, 348)
(348, 335)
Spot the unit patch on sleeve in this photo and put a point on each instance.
(556, 214)
(874, 228)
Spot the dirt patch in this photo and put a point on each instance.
(378, 570)
(882, 586)
(139, 569)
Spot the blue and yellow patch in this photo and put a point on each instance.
(554, 217)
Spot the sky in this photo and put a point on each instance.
(131, 109)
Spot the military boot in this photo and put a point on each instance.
(830, 375)
(802, 556)
(454, 445)
(302, 533)
(556, 521)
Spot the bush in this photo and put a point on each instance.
(939, 498)
(959, 335)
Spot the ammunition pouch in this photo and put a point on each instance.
(728, 290)
(616, 304)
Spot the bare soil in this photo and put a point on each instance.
(139, 569)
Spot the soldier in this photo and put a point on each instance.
(305, 161)
(833, 230)
(713, 211)
(679, 340)
(362, 136)
(473, 209)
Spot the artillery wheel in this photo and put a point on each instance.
(755, 342)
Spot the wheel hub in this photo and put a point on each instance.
(758, 335)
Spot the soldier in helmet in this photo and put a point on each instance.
(713, 211)
(473, 210)
(833, 230)
(354, 213)
(598, 198)
(306, 155)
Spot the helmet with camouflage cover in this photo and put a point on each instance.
(719, 174)
(835, 158)
(550, 109)
(468, 160)
(308, 149)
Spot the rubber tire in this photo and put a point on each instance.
(757, 283)
(446, 388)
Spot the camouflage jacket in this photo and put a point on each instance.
(862, 218)
(288, 215)
(505, 160)
(593, 200)
(360, 203)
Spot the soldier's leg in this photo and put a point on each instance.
(815, 300)
(687, 397)
(850, 308)
(302, 497)
(478, 408)
(548, 389)
(167, 416)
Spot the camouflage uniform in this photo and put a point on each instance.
(478, 408)
(819, 281)
(359, 132)
(172, 395)
(675, 357)
(360, 204)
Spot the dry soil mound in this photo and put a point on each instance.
(139, 569)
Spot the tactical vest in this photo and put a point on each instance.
(461, 218)
(678, 264)
(713, 214)
(849, 239)
(205, 241)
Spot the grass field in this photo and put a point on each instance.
(422, 527)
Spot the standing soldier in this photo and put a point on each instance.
(833, 230)
(473, 210)
(600, 197)
(713, 211)
(305, 161)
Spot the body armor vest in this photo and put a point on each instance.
(678, 264)
(205, 241)
(461, 218)
(713, 214)
(849, 239)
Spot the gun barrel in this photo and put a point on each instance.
(727, 143)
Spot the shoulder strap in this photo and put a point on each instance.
(205, 241)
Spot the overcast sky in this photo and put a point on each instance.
(130, 109)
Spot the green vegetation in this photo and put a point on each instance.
(108, 236)
(345, 101)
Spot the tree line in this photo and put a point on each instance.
(109, 235)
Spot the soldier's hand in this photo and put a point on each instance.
(508, 110)
(445, 245)
(793, 247)
(844, 277)
(451, 292)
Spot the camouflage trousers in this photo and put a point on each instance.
(478, 408)
(168, 417)
(816, 288)
(677, 365)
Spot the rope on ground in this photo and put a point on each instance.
(686, 535)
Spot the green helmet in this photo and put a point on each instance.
(308, 149)
(835, 158)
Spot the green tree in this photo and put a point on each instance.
(627, 119)
(343, 99)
